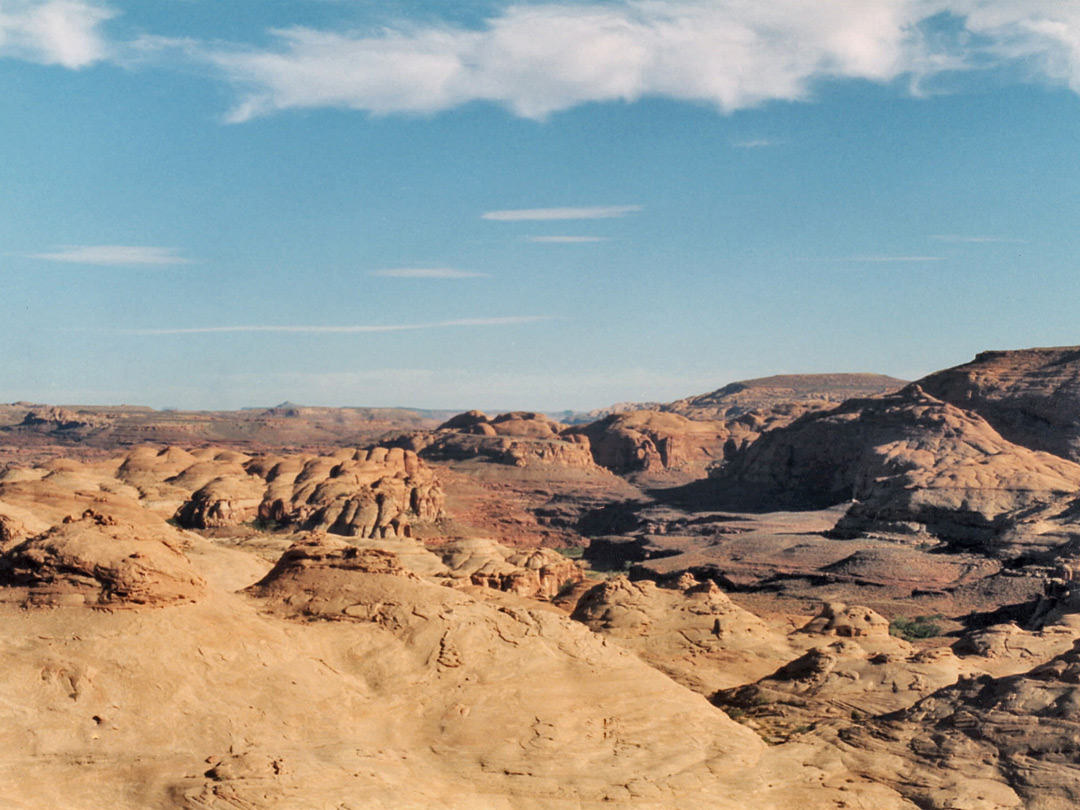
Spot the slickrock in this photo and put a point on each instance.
(378, 492)
(527, 707)
(649, 441)
(62, 419)
(517, 439)
(1031, 396)
(912, 463)
(97, 560)
(364, 493)
(224, 501)
(984, 742)
(847, 621)
(693, 632)
(865, 671)
(527, 572)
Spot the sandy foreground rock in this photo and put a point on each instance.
(342, 680)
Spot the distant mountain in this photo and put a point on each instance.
(738, 398)
(760, 393)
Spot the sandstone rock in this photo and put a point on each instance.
(1017, 733)
(98, 560)
(1031, 397)
(517, 439)
(61, 419)
(649, 441)
(847, 621)
(693, 632)
(912, 464)
(225, 501)
(536, 572)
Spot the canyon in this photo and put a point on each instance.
(827, 591)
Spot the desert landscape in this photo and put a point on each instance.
(539, 405)
(799, 591)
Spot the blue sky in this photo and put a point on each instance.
(531, 205)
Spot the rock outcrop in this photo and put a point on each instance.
(911, 463)
(1010, 740)
(364, 493)
(517, 439)
(538, 572)
(648, 441)
(1031, 396)
(692, 631)
(99, 561)
(223, 501)
(848, 621)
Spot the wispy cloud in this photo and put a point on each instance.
(756, 143)
(566, 240)
(507, 320)
(884, 258)
(427, 272)
(551, 214)
(114, 255)
(976, 239)
(56, 32)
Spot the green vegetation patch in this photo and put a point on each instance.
(912, 629)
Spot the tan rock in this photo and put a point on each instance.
(97, 560)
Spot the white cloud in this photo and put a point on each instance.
(566, 240)
(1041, 35)
(427, 272)
(115, 255)
(56, 32)
(758, 143)
(550, 214)
(536, 59)
(507, 320)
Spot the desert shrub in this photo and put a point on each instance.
(911, 629)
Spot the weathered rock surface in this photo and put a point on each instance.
(538, 572)
(865, 671)
(1011, 741)
(97, 560)
(223, 501)
(363, 493)
(912, 464)
(517, 439)
(62, 419)
(693, 632)
(644, 441)
(847, 621)
(1031, 397)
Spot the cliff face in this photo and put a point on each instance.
(648, 441)
(1031, 397)
(911, 463)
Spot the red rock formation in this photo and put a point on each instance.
(1031, 397)
(642, 441)
(911, 463)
